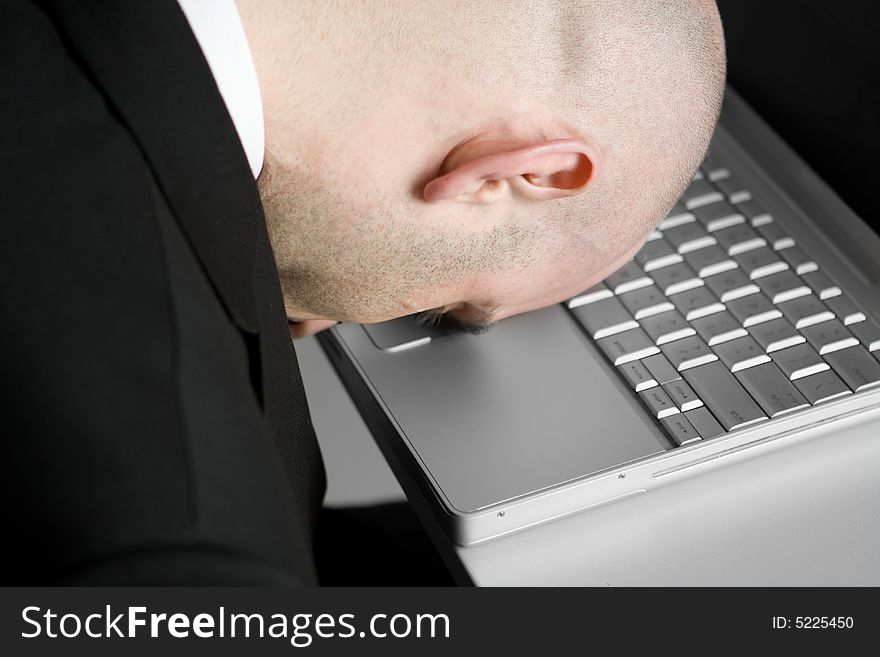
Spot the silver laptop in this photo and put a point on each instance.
(750, 314)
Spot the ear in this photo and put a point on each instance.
(483, 172)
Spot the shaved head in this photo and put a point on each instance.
(370, 104)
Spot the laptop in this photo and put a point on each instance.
(750, 314)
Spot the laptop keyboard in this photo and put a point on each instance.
(722, 319)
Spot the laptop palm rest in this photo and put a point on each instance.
(528, 405)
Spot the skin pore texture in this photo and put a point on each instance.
(478, 159)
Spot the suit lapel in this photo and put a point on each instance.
(150, 67)
(145, 59)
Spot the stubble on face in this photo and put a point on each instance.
(353, 260)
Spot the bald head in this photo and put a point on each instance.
(483, 158)
(642, 79)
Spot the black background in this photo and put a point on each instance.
(811, 68)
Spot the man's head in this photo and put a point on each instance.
(481, 159)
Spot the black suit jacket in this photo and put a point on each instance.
(155, 425)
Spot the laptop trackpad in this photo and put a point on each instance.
(527, 405)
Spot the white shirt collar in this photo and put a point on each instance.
(221, 36)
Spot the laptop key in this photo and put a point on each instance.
(829, 336)
(775, 236)
(655, 254)
(660, 368)
(729, 402)
(637, 375)
(821, 387)
(760, 262)
(700, 192)
(675, 278)
(677, 216)
(659, 403)
(858, 369)
(845, 309)
(822, 286)
(629, 277)
(868, 333)
(709, 260)
(799, 361)
(604, 317)
(713, 170)
(688, 352)
(733, 190)
(742, 353)
(738, 239)
(731, 285)
(755, 213)
(645, 301)
(753, 309)
(628, 345)
(596, 293)
(680, 429)
(666, 327)
(771, 389)
(718, 328)
(717, 216)
(824, 386)
(704, 422)
(688, 237)
(783, 286)
(682, 395)
(799, 261)
(805, 311)
(401, 334)
(776, 334)
(697, 302)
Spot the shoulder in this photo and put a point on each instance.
(127, 386)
